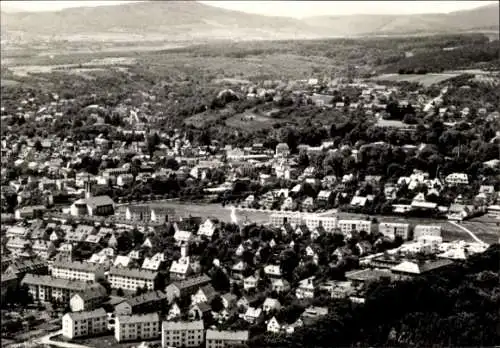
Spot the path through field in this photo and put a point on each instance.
(468, 231)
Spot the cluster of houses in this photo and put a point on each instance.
(160, 311)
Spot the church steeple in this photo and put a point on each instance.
(88, 188)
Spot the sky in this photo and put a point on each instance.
(297, 9)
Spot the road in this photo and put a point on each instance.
(473, 236)
(47, 339)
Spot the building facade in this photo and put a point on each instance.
(182, 334)
(137, 327)
(82, 324)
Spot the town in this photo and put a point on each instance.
(141, 210)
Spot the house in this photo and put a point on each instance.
(252, 314)
(271, 304)
(181, 269)
(17, 245)
(273, 271)
(137, 327)
(199, 311)
(83, 324)
(306, 288)
(204, 294)
(220, 339)
(273, 325)
(207, 229)
(20, 267)
(282, 150)
(174, 311)
(87, 300)
(460, 212)
(324, 198)
(152, 264)
(308, 204)
(394, 229)
(229, 301)
(182, 333)
(185, 287)
(238, 269)
(280, 285)
(457, 179)
(181, 236)
(250, 283)
(43, 248)
(312, 314)
(144, 303)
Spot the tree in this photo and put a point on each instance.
(220, 280)
(216, 304)
(119, 292)
(38, 145)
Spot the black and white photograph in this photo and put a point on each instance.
(250, 174)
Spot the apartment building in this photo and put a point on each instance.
(426, 230)
(222, 339)
(137, 327)
(76, 270)
(87, 300)
(182, 334)
(349, 226)
(394, 229)
(46, 288)
(131, 279)
(312, 221)
(457, 179)
(82, 324)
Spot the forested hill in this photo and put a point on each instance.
(457, 307)
(191, 20)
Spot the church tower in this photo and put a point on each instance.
(88, 188)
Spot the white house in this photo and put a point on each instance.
(82, 324)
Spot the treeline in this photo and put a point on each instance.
(455, 307)
(437, 60)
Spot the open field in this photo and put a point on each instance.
(8, 82)
(251, 120)
(215, 211)
(203, 118)
(107, 341)
(426, 80)
(488, 232)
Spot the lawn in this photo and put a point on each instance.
(426, 80)
(488, 232)
(203, 118)
(107, 341)
(250, 120)
(216, 211)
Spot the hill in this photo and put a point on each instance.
(190, 20)
(166, 20)
(481, 18)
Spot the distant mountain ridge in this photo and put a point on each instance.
(193, 20)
